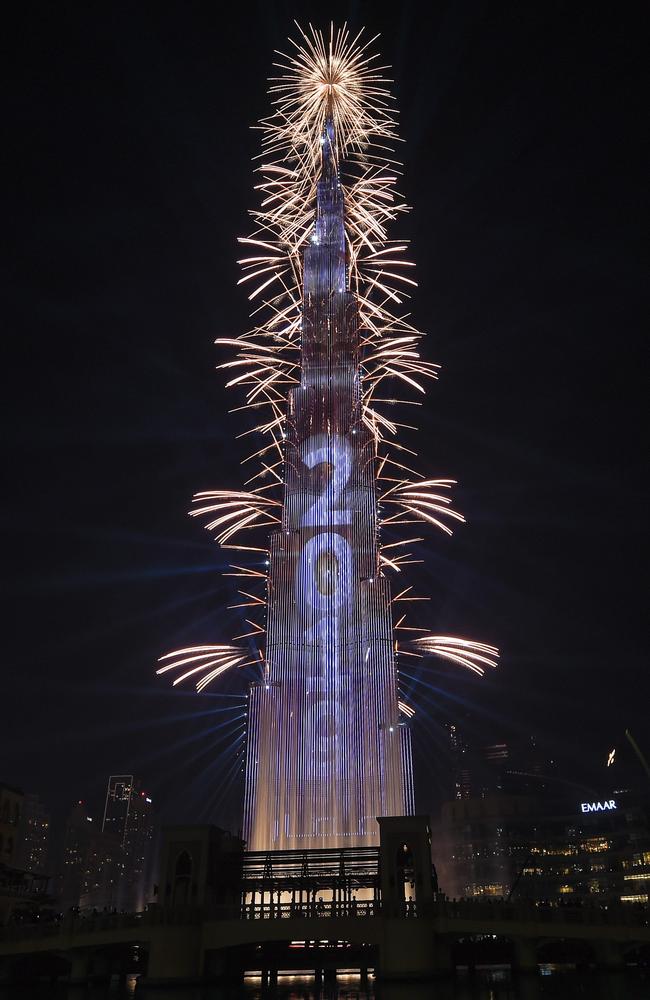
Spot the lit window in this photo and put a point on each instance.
(595, 845)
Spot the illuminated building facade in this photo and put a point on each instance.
(477, 768)
(547, 848)
(128, 817)
(328, 748)
(327, 752)
(34, 835)
(92, 864)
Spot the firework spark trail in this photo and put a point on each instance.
(406, 709)
(476, 656)
(419, 499)
(237, 510)
(326, 77)
(210, 661)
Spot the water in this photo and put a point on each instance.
(493, 984)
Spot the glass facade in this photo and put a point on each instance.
(547, 849)
(327, 752)
(128, 817)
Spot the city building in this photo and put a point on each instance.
(11, 808)
(328, 740)
(24, 838)
(516, 766)
(199, 865)
(93, 864)
(328, 751)
(547, 848)
(34, 836)
(103, 872)
(128, 817)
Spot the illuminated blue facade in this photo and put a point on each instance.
(327, 752)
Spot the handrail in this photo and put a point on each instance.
(314, 908)
(486, 912)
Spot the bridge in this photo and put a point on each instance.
(224, 911)
(190, 944)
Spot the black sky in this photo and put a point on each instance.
(128, 152)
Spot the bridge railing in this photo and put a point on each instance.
(317, 908)
(526, 912)
(482, 911)
(93, 923)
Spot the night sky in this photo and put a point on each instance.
(129, 149)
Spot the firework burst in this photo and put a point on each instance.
(205, 663)
(475, 656)
(326, 79)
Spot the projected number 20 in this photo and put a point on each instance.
(325, 570)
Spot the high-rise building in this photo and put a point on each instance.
(11, 808)
(34, 830)
(128, 816)
(329, 748)
(24, 835)
(460, 765)
(515, 766)
(327, 752)
(93, 864)
(550, 847)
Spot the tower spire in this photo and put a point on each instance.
(329, 225)
(329, 151)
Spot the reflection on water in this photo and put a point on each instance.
(493, 984)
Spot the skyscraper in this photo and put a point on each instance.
(34, 835)
(93, 864)
(128, 817)
(327, 753)
(12, 801)
(328, 742)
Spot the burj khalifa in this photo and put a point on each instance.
(327, 752)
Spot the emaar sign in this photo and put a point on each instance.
(596, 807)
